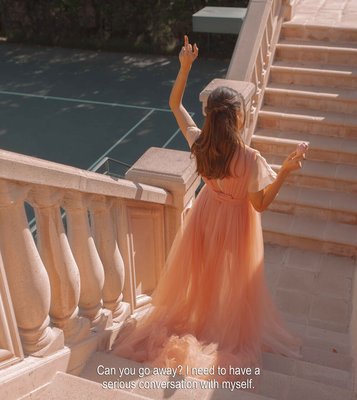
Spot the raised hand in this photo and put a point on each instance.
(293, 162)
(188, 54)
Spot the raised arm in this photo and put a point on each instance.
(187, 56)
(262, 199)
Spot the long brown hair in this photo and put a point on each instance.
(219, 139)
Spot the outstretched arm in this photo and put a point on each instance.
(262, 199)
(187, 57)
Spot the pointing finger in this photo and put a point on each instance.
(195, 50)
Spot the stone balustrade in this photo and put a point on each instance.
(91, 268)
(254, 50)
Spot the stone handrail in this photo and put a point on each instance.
(255, 48)
(91, 271)
(252, 56)
(26, 169)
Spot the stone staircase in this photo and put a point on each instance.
(312, 291)
(311, 96)
(66, 386)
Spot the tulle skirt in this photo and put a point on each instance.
(211, 307)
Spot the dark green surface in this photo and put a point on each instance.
(146, 135)
(76, 133)
(219, 20)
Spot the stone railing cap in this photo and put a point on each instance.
(171, 169)
(31, 170)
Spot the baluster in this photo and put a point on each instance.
(258, 90)
(60, 264)
(266, 49)
(27, 277)
(268, 39)
(88, 261)
(10, 344)
(274, 8)
(270, 27)
(258, 66)
(262, 64)
(105, 240)
(261, 57)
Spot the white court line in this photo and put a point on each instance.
(174, 135)
(109, 150)
(83, 101)
(121, 139)
(171, 138)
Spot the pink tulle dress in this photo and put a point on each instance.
(212, 306)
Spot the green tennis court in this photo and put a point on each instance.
(80, 107)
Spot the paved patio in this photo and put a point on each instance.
(341, 13)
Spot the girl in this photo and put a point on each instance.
(211, 307)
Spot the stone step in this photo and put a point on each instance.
(313, 75)
(321, 346)
(273, 142)
(317, 52)
(322, 349)
(318, 174)
(283, 387)
(270, 385)
(315, 298)
(274, 149)
(21, 378)
(291, 30)
(308, 121)
(69, 387)
(329, 359)
(307, 370)
(306, 232)
(191, 390)
(334, 100)
(313, 293)
(317, 203)
(321, 148)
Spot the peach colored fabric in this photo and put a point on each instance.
(211, 306)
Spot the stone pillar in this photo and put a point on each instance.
(174, 171)
(290, 9)
(27, 277)
(10, 344)
(87, 258)
(108, 250)
(246, 89)
(60, 264)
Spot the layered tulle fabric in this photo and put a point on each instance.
(211, 306)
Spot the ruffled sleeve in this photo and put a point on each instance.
(192, 134)
(261, 174)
